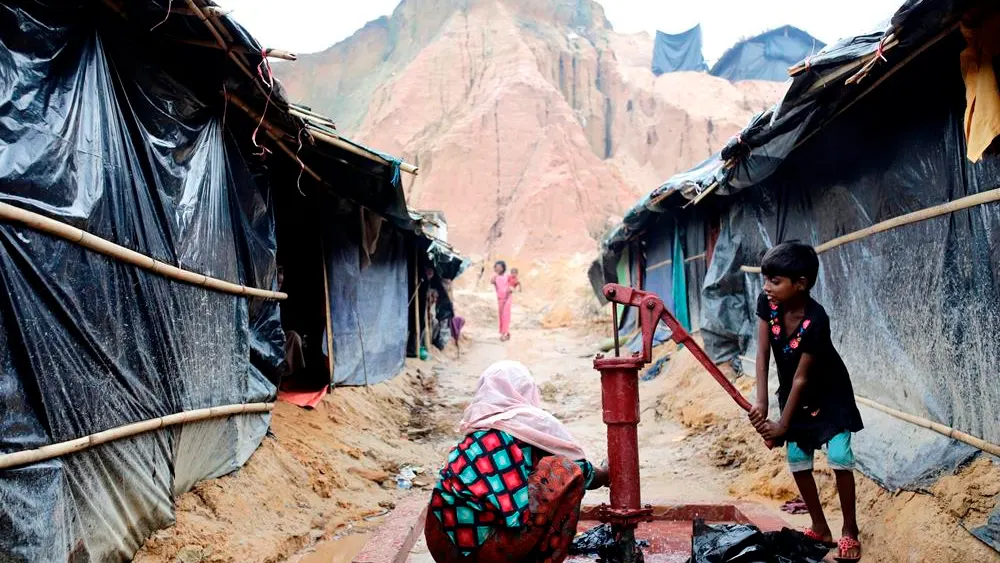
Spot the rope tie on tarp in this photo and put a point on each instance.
(269, 82)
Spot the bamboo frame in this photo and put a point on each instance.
(269, 52)
(97, 244)
(952, 206)
(416, 301)
(26, 457)
(272, 131)
(205, 19)
(340, 143)
(946, 431)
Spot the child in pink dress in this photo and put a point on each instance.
(502, 282)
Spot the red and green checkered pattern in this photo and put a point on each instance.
(485, 485)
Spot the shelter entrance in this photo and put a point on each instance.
(304, 315)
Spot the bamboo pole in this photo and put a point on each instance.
(416, 300)
(269, 52)
(947, 431)
(310, 116)
(890, 42)
(97, 244)
(427, 326)
(339, 142)
(959, 204)
(705, 193)
(659, 265)
(205, 19)
(51, 451)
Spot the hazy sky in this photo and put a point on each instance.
(305, 26)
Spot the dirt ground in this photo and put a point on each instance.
(313, 491)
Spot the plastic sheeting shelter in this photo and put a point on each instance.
(96, 136)
(766, 56)
(911, 303)
(123, 133)
(678, 52)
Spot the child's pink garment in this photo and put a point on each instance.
(505, 299)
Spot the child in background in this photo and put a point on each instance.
(814, 390)
(501, 282)
(515, 282)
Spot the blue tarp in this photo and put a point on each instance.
(678, 52)
(766, 56)
(368, 302)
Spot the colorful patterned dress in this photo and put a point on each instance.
(501, 498)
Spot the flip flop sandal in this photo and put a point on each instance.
(843, 546)
(812, 535)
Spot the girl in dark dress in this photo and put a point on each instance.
(814, 390)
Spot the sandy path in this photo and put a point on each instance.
(562, 362)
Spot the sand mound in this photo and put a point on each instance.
(321, 471)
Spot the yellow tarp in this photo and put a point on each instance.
(982, 97)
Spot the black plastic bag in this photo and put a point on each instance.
(599, 541)
(743, 543)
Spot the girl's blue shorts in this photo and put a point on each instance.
(838, 453)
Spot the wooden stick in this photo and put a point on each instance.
(948, 431)
(959, 204)
(51, 451)
(329, 315)
(89, 241)
(659, 265)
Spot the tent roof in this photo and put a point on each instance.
(766, 56)
(224, 64)
(821, 89)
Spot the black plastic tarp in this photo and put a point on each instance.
(766, 56)
(814, 98)
(93, 136)
(910, 307)
(913, 307)
(678, 52)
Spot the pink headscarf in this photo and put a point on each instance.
(508, 399)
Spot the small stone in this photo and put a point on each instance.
(190, 554)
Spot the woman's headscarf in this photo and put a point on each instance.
(508, 399)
